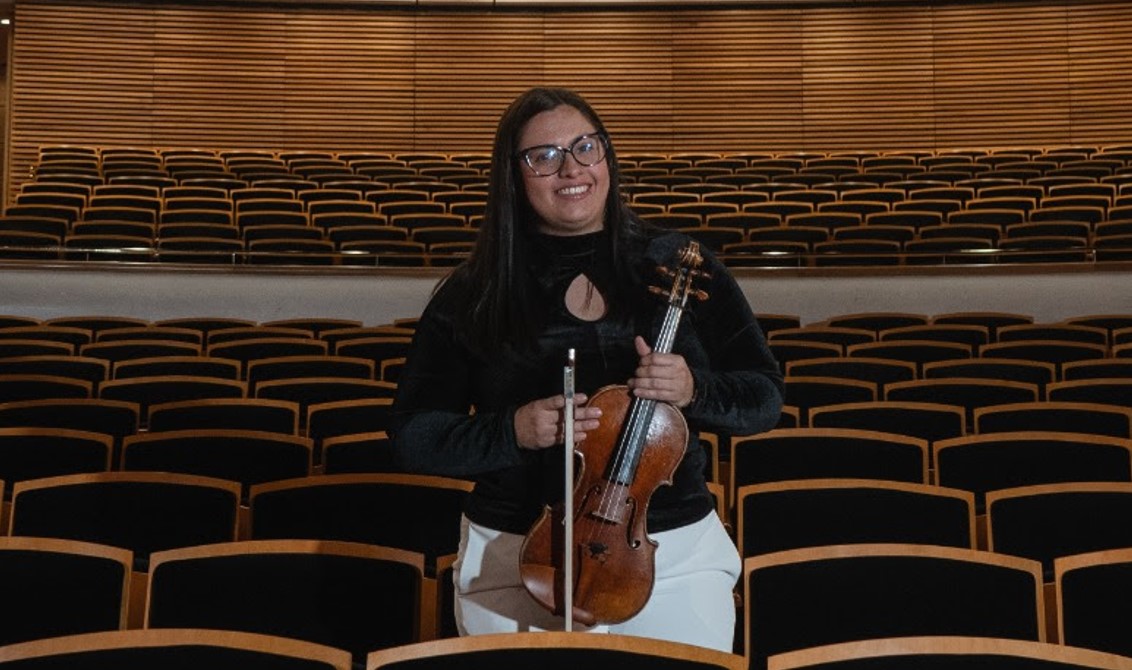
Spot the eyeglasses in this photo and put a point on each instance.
(547, 159)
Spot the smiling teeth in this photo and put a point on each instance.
(574, 190)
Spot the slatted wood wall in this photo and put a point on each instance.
(780, 78)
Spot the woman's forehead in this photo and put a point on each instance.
(558, 126)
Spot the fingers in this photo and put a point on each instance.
(661, 376)
(539, 423)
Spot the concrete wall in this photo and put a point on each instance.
(379, 296)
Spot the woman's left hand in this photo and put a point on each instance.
(663, 377)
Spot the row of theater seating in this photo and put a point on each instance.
(1066, 205)
(787, 495)
(856, 559)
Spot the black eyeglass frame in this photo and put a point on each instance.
(525, 154)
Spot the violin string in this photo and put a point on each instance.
(635, 438)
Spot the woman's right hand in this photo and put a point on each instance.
(539, 423)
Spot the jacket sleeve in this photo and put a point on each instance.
(739, 388)
(435, 428)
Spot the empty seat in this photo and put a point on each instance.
(806, 513)
(173, 648)
(366, 597)
(821, 595)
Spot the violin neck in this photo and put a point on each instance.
(636, 431)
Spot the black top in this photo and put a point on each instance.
(454, 412)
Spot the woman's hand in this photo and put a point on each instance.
(539, 423)
(663, 377)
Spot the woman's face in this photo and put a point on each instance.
(570, 201)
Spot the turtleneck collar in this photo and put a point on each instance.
(565, 247)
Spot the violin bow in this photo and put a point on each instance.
(568, 501)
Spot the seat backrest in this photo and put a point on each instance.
(1052, 415)
(819, 453)
(347, 417)
(927, 421)
(1092, 600)
(346, 595)
(56, 587)
(167, 648)
(1048, 521)
(275, 416)
(552, 651)
(790, 515)
(32, 453)
(968, 392)
(245, 456)
(360, 452)
(419, 513)
(946, 651)
(822, 595)
(139, 511)
(982, 463)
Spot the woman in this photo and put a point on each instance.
(561, 263)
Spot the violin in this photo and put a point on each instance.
(634, 451)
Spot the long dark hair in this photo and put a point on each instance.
(496, 275)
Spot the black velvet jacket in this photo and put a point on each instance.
(454, 412)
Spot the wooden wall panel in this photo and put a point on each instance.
(737, 75)
(780, 78)
(467, 67)
(1100, 49)
(1002, 75)
(867, 78)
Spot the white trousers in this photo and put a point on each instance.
(697, 567)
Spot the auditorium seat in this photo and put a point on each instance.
(68, 366)
(927, 421)
(15, 387)
(245, 456)
(152, 390)
(418, 513)
(274, 416)
(808, 597)
(821, 453)
(1052, 415)
(295, 367)
(120, 350)
(878, 371)
(28, 452)
(54, 587)
(1093, 596)
(1038, 373)
(1108, 391)
(164, 366)
(328, 420)
(76, 337)
(937, 652)
(992, 320)
(994, 461)
(1057, 352)
(359, 453)
(779, 516)
(173, 648)
(1101, 368)
(1045, 522)
(920, 352)
(143, 512)
(367, 597)
(552, 651)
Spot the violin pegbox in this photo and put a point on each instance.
(683, 275)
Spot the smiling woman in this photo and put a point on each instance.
(562, 264)
(567, 180)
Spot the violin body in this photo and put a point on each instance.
(637, 447)
(613, 556)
